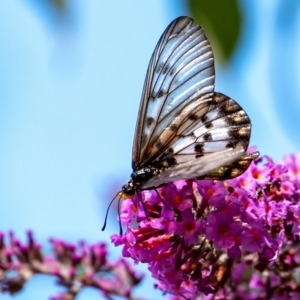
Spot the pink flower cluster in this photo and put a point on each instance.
(229, 240)
(74, 266)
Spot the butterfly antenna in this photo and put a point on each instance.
(143, 204)
(105, 221)
(160, 198)
(119, 214)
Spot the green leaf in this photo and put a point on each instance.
(221, 20)
(59, 5)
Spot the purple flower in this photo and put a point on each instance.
(188, 227)
(223, 230)
(74, 266)
(292, 163)
(197, 235)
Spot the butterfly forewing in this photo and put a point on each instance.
(180, 78)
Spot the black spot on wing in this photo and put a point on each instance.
(199, 148)
(204, 118)
(232, 144)
(166, 159)
(165, 163)
(238, 118)
(166, 69)
(170, 161)
(173, 127)
(227, 106)
(150, 121)
(208, 125)
(159, 68)
(240, 133)
(207, 137)
(160, 93)
(235, 169)
(243, 164)
(158, 144)
(230, 106)
(218, 98)
(172, 72)
(167, 153)
(192, 135)
(192, 117)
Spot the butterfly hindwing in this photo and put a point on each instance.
(213, 126)
(197, 168)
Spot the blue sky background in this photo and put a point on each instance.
(70, 95)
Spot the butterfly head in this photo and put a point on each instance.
(136, 181)
(128, 190)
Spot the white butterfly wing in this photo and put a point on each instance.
(180, 78)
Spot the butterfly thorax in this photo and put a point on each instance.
(138, 177)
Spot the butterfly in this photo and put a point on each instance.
(184, 129)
